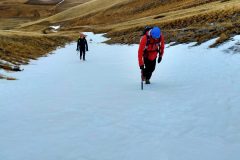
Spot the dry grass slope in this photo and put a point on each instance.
(181, 20)
(24, 47)
(80, 10)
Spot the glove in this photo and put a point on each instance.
(159, 59)
(142, 67)
(77, 49)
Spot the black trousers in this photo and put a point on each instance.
(149, 68)
(82, 53)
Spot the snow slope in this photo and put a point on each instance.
(62, 108)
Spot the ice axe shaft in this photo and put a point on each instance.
(142, 80)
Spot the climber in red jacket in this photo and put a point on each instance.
(151, 46)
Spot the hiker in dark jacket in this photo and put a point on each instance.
(82, 46)
(151, 46)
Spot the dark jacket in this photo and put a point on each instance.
(82, 44)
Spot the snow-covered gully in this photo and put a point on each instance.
(62, 108)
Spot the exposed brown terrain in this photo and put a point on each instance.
(43, 2)
(25, 32)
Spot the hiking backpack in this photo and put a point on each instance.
(145, 30)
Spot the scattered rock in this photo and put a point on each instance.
(10, 67)
(7, 78)
(234, 49)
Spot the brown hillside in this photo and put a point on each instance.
(181, 20)
(69, 4)
(16, 12)
(42, 2)
(26, 46)
(24, 11)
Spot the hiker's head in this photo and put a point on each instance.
(81, 35)
(155, 32)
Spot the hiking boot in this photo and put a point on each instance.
(147, 81)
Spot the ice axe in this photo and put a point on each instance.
(142, 79)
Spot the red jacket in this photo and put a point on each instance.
(151, 49)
